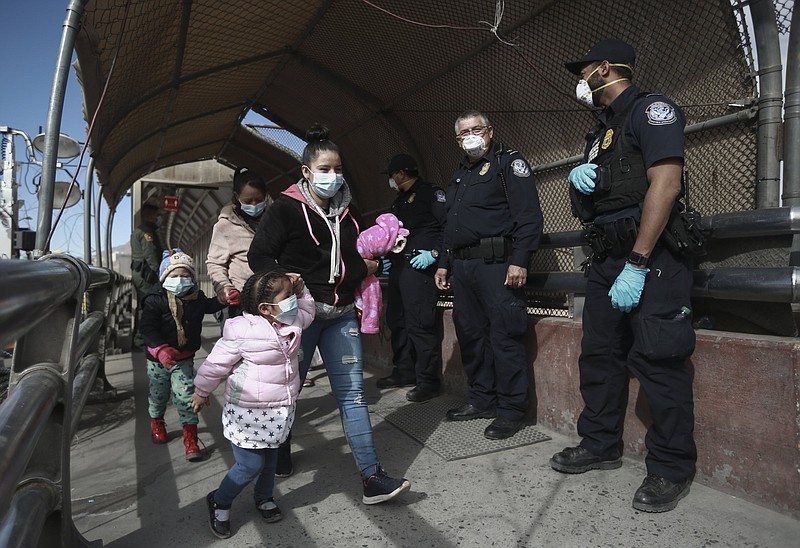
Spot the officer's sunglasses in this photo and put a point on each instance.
(477, 130)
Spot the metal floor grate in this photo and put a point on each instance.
(426, 423)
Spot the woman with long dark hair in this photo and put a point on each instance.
(311, 231)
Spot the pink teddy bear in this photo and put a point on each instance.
(386, 235)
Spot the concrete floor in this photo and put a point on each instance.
(127, 492)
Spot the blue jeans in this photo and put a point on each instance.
(250, 464)
(339, 344)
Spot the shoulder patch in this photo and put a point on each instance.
(520, 168)
(660, 113)
(148, 236)
(440, 195)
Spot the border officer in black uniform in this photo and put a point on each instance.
(412, 295)
(494, 224)
(636, 316)
(145, 261)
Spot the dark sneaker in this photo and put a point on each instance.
(394, 381)
(422, 393)
(657, 494)
(577, 460)
(379, 487)
(218, 517)
(269, 510)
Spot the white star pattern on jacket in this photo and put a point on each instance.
(257, 428)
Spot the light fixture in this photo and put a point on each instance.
(65, 197)
(67, 146)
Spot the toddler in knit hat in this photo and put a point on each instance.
(172, 322)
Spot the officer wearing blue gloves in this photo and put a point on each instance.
(634, 317)
(412, 293)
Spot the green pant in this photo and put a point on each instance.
(178, 381)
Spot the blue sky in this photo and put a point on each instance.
(32, 32)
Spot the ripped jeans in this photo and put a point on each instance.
(339, 343)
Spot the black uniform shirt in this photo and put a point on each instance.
(655, 127)
(477, 205)
(422, 210)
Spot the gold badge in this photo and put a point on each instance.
(411, 198)
(148, 236)
(607, 139)
(484, 169)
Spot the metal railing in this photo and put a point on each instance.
(61, 313)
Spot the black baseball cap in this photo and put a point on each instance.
(401, 162)
(613, 51)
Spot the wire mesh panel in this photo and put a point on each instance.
(389, 76)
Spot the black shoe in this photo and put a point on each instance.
(222, 529)
(284, 468)
(657, 494)
(577, 460)
(394, 381)
(380, 487)
(269, 510)
(422, 392)
(501, 428)
(468, 412)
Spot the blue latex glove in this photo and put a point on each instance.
(423, 260)
(582, 178)
(627, 288)
(387, 266)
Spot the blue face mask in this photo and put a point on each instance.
(253, 210)
(179, 286)
(326, 185)
(288, 308)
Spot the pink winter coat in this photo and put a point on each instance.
(387, 234)
(258, 359)
(227, 254)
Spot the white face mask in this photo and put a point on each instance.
(585, 93)
(473, 145)
(288, 308)
(326, 185)
(393, 185)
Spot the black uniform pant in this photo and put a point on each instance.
(615, 343)
(491, 320)
(416, 333)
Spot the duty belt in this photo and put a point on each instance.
(492, 250)
(615, 238)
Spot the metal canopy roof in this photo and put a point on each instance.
(385, 76)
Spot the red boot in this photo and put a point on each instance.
(190, 442)
(158, 430)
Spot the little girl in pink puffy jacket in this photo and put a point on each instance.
(257, 357)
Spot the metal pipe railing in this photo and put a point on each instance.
(737, 224)
(770, 97)
(23, 417)
(27, 514)
(720, 121)
(31, 291)
(88, 332)
(81, 387)
(791, 119)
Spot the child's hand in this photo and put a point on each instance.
(198, 402)
(297, 283)
(167, 356)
